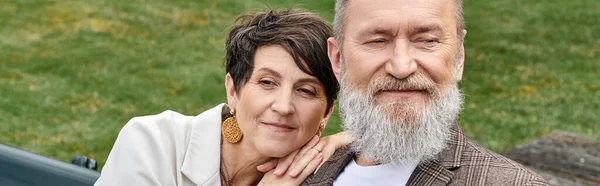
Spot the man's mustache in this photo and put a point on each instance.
(415, 82)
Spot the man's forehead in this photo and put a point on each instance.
(402, 7)
(418, 24)
(404, 2)
(377, 16)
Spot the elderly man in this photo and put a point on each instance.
(399, 63)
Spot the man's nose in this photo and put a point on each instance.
(282, 103)
(402, 63)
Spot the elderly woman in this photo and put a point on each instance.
(280, 93)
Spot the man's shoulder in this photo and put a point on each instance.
(474, 155)
(480, 166)
(329, 171)
(463, 162)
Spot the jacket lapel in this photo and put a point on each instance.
(329, 171)
(430, 173)
(438, 171)
(201, 161)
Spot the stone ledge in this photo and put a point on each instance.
(561, 158)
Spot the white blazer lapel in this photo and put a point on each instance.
(201, 162)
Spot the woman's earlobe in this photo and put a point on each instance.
(327, 116)
(320, 129)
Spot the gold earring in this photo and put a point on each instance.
(321, 128)
(230, 129)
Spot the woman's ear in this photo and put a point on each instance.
(328, 115)
(231, 91)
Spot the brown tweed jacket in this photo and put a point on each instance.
(462, 162)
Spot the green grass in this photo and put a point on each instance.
(72, 73)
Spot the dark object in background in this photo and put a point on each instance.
(19, 168)
(561, 159)
(85, 162)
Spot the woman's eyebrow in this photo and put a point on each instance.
(301, 80)
(310, 80)
(270, 71)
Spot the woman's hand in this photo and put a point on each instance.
(326, 146)
(294, 168)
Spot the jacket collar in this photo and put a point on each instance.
(451, 156)
(202, 159)
(331, 169)
(434, 172)
(439, 171)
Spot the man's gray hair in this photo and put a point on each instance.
(339, 21)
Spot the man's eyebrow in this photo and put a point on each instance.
(428, 28)
(270, 71)
(374, 30)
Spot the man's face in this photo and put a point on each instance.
(398, 67)
(399, 52)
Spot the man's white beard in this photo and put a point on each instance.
(410, 133)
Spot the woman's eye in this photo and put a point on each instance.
(307, 91)
(266, 82)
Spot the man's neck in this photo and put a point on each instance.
(365, 162)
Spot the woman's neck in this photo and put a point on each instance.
(240, 161)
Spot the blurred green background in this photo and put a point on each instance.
(72, 73)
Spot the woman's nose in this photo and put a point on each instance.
(282, 104)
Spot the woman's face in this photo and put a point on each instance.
(280, 107)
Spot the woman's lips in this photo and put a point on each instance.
(278, 127)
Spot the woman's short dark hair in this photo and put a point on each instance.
(302, 34)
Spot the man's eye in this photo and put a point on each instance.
(429, 41)
(378, 41)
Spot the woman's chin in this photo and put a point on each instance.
(275, 149)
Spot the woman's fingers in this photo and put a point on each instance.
(266, 167)
(304, 161)
(284, 163)
(327, 145)
(327, 152)
(312, 166)
(313, 141)
(305, 149)
(305, 165)
(301, 165)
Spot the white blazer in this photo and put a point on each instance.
(167, 149)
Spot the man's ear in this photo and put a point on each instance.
(334, 56)
(460, 64)
(231, 91)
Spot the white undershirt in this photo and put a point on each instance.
(386, 174)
